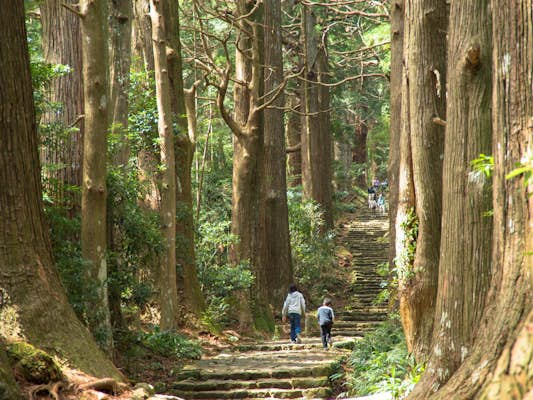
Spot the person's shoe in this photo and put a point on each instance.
(298, 340)
(330, 341)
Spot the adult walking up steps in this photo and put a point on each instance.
(280, 370)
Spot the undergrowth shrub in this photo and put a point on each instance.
(380, 363)
(312, 249)
(171, 344)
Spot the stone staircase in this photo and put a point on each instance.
(277, 369)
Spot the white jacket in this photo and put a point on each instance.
(294, 303)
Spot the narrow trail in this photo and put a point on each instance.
(279, 370)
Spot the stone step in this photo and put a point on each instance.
(360, 325)
(308, 342)
(255, 365)
(195, 385)
(266, 393)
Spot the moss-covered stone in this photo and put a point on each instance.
(8, 386)
(263, 318)
(35, 365)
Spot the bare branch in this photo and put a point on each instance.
(342, 81)
(72, 8)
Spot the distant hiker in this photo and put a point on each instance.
(325, 317)
(382, 206)
(294, 307)
(372, 198)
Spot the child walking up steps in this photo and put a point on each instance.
(325, 317)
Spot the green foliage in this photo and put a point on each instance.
(215, 315)
(380, 363)
(388, 285)
(137, 238)
(312, 250)
(524, 168)
(405, 260)
(483, 165)
(66, 247)
(142, 113)
(171, 344)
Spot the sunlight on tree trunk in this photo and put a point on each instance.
(425, 58)
(34, 306)
(501, 354)
(464, 268)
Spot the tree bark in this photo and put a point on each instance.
(324, 143)
(93, 204)
(499, 363)
(405, 234)
(142, 35)
(465, 250)
(34, 306)
(61, 37)
(273, 263)
(396, 71)
(359, 150)
(424, 48)
(294, 133)
(316, 174)
(184, 153)
(343, 157)
(120, 61)
(167, 277)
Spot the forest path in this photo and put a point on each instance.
(277, 369)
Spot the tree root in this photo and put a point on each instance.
(106, 385)
(51, 389)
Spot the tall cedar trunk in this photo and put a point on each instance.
(61, 38)
(120, 60)
(8, 385)
(324, 144)
(359, 150)
(247, 142)
(310, 120)
(273, 263)
(143, 54)
(343, 157)
(167, 274)
(35, 307)
(142, 35)
(184, 151)
(396, 70)
(316, 175)
(93, 194)
(245, 149)
(500, 360)
(294, 133)
(425, 54)
(465, 251)
(405, 233)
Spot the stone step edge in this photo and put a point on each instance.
(292, 372)
(320, 392)
(225, 384)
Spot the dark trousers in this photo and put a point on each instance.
(325, 333)
(294, 319)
